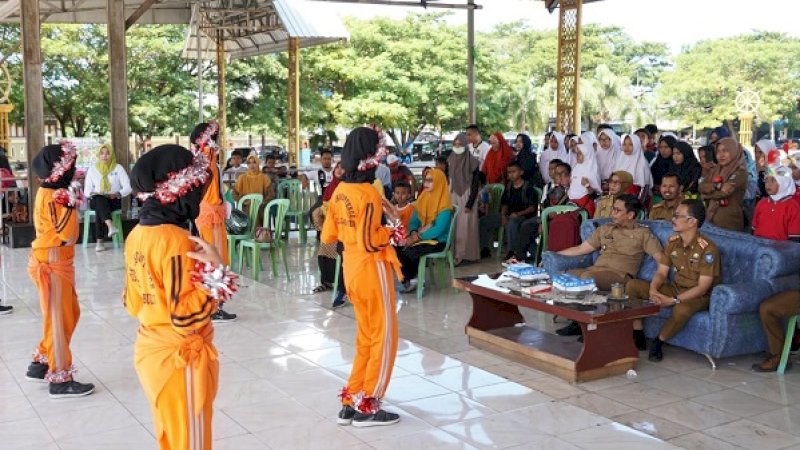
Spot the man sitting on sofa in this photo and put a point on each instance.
(695, 263)
(622, 244)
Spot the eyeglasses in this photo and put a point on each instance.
(682, 216)
(612, 181)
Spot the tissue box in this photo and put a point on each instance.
(527, 272)
(571, 283)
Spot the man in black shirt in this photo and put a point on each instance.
(518, 209)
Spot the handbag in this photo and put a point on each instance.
(263, 235)
(19, 213)
(237, 223)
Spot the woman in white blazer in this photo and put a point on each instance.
(105, 185)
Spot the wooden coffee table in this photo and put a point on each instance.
(498, 326)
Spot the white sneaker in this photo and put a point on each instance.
(100, 247)
(112, 231)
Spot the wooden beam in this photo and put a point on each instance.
(294, 102)
(32, 79)
(118, 81)
(146, 4)
(222, 110)
(409, 3)
(472, 115)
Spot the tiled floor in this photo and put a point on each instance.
(288, 354)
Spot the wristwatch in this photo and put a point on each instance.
(675, 300)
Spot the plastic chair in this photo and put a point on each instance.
(559, 209)
(642, 215)
(336, 276)
(277, 244)
(496, 194)
(116, 219)
(539, 194)
(787, 343)
(445, 254)
(292, 190)
(255, 204)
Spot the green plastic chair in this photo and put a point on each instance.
(278, 244)
(292, 190)
(116, 219)
(787, 343)
(255, 204)
(496, 194)
(642, 215)
(336, 276)
(559, 209)
(539, 194)
(446, 254)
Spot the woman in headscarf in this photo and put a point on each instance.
(253, 182)
(585, 184)
(430, 225)
(497, 159)
(51, 267)
(686, 167)
(608, 149)
(354, 218)
(761, 151)
(632, 160)
(105, 184)
(724, 187)
(173, 284)
(464, 188)
(327, 253)
(777, 216)
(554, 149)
(570, 142)
(527, 160)
(619, 183)
(211, 220)
(662, 162)
(717, 134)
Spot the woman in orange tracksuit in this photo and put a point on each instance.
(354, 218)
(211, 220)
(172, 297)
(52, 268)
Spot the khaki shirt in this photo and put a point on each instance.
(662, 212)
(622, 249)
(699, 258)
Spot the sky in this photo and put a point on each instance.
(674, 22)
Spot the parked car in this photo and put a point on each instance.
(276, 150)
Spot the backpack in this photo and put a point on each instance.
(563, 231)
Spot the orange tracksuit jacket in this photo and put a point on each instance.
(174, 357)
(51, 266)
(354, 218)
(211, 221)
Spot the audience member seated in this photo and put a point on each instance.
(497, 159)
(234, 168)
(585, 186)
(430, 225)
(621, 182)
(671, 196)
(400, 173)
(777, 216)
(402, 199)
(254, 182)
(623, 244)
(633, 161)
(695, 263)
(105, 184)
(687, 168)
(551, 173)
(723, 186)
(518, 210)
(774, 312)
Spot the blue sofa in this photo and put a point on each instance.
(753, 269)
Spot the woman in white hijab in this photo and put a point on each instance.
(555, 150)
(632, 160)
(608, 150)
(778, 215)
(585, 178)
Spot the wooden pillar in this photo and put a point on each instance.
(294, 101)
(118, 80)
(32, 79)
(568, 102)
(471, 114)
(222, 110)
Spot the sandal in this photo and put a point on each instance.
(321, 288)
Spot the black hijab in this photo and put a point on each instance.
(155, 166)
(361, 144)
(527, 160)
(662, 165)
(43, 164)
(689, 171)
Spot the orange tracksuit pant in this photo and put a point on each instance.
(211, 227)
(354, 218)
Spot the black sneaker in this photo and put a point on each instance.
(69, 389)
(346, 415)
(339, 300)
(221, 316)
(379, 419)
(6, 309)
(656, 355)
(36, 372)
(639, 340)
(573, 329)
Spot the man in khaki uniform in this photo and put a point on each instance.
(672, 193)
(622, 244)
(695, 263)
(773, 312)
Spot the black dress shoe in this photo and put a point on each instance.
(639, 340)
(573, 329)
(656, 355)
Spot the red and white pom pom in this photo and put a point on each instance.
(71, 197)
(398, 235)
(181, 182)
(368, 405)
(218, 280)
(205, 138)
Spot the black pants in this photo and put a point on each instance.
(327, 268)
(102, 207)
(409, 257)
